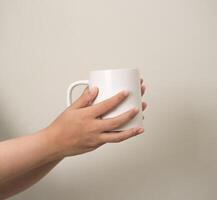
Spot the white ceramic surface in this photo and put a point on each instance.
(109, 83)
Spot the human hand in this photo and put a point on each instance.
(78, 129)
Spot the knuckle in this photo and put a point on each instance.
(104, 104)
(132, 114)
(95, 128)
(118, 139)
(93, 144)
(95, 141)
(89, 111)
(115, 99)
(110, 124)
(107, 103)
(101, 141)
(115, 123)
(127, 116)
(120, 97)
(83, 113)
(107, 126)
(87, 97)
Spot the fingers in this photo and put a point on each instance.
(109, 104)
(142, 87)
(86, 98)
(144, 106)
(114, 137)
(113, 123)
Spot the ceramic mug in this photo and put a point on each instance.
(110, 82)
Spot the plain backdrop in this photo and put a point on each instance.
(46, 45)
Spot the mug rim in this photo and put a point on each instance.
(115, 69)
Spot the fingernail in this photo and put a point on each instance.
(126, 93)
(144, 105)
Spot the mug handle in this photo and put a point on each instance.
(71, 87)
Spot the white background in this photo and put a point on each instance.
(45, 45)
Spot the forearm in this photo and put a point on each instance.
(22, 182)
(20, 155)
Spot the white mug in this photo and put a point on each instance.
(110, 82)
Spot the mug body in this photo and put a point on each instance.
(112, 81)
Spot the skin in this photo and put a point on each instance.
(25, 160)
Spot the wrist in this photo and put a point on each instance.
(53, 150)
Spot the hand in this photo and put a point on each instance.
(144, 104)
(78, 129)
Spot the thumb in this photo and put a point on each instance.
(86, 98)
